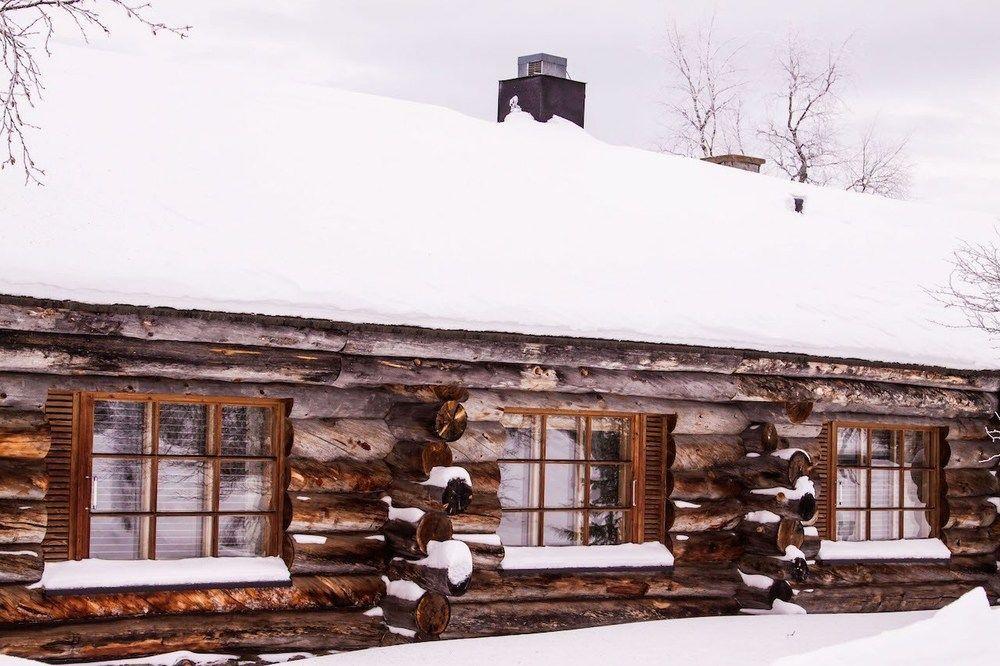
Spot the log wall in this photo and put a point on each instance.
(375, 409)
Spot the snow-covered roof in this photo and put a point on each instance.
(221, 189)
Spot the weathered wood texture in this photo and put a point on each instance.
(485, 555)
(428, 577)
(445, 421)
(481, 517)
(708, 515)
(26, 443)
(338, 476)
(705, 548)
(359, 440)
(690, 581)
(483, 441)
(525, 617)
(22, 521)
(452, 499)
(971, 453)
(19, 605)
(428, 616)
(336, 554)
(696, 452)
(322, 513)
(23, 479)
(881, 598)
(766, 471)
(859, 574)
(273, 631)
(772, 538)
(699, 485)
(20, 564)
(418, 458)
(970, 483)
(410, 539)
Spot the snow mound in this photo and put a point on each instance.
(230, 190)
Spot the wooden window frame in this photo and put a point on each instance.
(83, 456)
(933, 469)
(632, 515)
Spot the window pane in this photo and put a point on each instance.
(852, 487)
(885, 448)
(183, 429)
(246, 431)
(519, 485)
(885, 487)
(521, 443)
(120, 485)
(852, 447)
(607, 528)
(916, 525)
(120, 427)
(564, 438)
(242, 536)
(118, 537)
(563, 528)
(244, 485)
(609, 485)
(518, 528)
(885, 525)
(916, 488)
(850, 525)
(563, 485)
(183, 536)
(183, 485)
(610, 439)
(915, 448)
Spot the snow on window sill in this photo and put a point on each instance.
(593, 558)
(105, 576)
(899, 550)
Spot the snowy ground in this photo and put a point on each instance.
(960, 635)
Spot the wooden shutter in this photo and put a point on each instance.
(656, 459)
(60, 409)
(822, 477)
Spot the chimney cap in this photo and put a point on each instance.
(744, 162)
(542, 63)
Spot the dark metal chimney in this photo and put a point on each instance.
(543, 89)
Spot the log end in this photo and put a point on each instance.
(433, 613)
(451, 421)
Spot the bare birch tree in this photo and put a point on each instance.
(878, 167)
(974, 286)
(801, 139)
(26, 29)
(704, 108)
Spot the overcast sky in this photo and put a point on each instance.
(925, 70)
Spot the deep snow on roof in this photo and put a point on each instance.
(220, 189)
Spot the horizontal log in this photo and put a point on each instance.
(985, 563)
(23, 479)
(253, 633)
(481, 517)
(972, 541)
(688, 581)
(446, 574)
(19, 605)
(445, 421)
(694, 418)
(337, 554)
(337, 476)
(23, 443)
(771, 538)
(62, 354)
(968, 512)
(525, 617)
(759, 437)
(485, 476)
(21, 564)
(483, 441)
(323, 513)
(167, 324)
(971, 426)
(694, 452)
(342, 439)
(880, 598)
(605, 354)
(802, 509)
(23, 419)
(428, 392)
(30, 391)
(410, 539)
(418, 458)
(811, 544)
(22, 521)
(763, 598)
(766, 471)
(485, 554)
(971, 453)
(427, 616)
(860, 574)
(453, 498)
(698, 485)
(709, 515)
(813, 446)
(970, 483)
(705, 548)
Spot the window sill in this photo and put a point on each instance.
(89, 577)
(895, 551)
(600, 559)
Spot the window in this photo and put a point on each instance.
(168, 477)
(569, 479)
(534, 67)
(887, 481)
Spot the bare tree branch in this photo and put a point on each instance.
(26, 28)
(974, 286)
(878, 168)
(705, 92)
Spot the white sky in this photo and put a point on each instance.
(927, 70)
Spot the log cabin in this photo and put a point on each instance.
(393, 374)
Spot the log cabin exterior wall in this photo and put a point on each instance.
(357, 431)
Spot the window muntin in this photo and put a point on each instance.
(168, 477)
(568, 479)
(886, 481)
